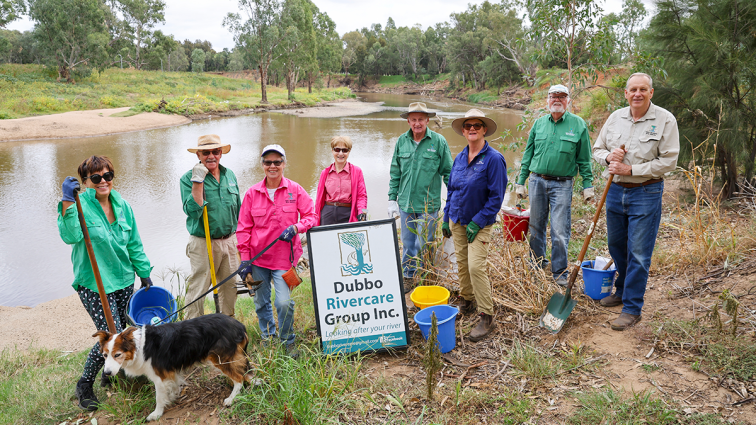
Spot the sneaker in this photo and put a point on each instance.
(85, 393)
(292, 351)
(483, 328)
(562, 281)
(611, 301)
(625, 320)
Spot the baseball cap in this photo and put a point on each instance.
(558, 88)
(274, 148)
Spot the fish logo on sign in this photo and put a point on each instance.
(355, 253)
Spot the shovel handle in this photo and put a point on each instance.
(95, 269)
(209, 243)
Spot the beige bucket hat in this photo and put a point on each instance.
(474, 113)
(417, 107)
(209, 142)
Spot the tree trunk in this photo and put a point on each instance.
(64, 73)
(263, 83)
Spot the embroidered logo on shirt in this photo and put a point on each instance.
(651, 131)
(290, 198)
(569, 133)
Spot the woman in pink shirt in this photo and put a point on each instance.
(275, 208)
(341, 196)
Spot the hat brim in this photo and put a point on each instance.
(405, 115)
(225, 147)
(272, 150)
(490, 125)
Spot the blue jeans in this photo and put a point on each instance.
(417, 230)
(632, 222)
(554, 198)
(284, 304)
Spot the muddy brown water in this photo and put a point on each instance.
(35, 264)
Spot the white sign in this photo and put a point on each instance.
(356, 286)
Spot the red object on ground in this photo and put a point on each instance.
(515, 227)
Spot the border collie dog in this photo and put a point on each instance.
(164, 352)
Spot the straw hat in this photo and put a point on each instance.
(210, 142)
(471, 114)
(417, 107)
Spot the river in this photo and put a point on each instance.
(35, 264)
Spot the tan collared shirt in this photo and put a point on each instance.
(652, 143)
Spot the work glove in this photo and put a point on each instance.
(288, 234)
(146, 283)
(520, 191)
(472, 231)
(445, 230)
(393, 209)
(588, 194)
(70, 186)
(245, 268)
(199, 172)
(362, 217)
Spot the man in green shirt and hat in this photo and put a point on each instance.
(210, 184)
(558, 147)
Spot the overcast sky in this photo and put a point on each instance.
(202, 19)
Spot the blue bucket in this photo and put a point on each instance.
(598, 283)
(446, 316)
(150, 307)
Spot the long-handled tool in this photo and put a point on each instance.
(210, 257)
(95, 269)
(560, 306)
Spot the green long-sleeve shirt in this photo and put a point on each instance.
(117, 246)
(558, 149)
(222, 200)
(417, 171)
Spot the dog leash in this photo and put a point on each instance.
(218, 285)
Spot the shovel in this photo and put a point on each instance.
(210, 258)
(560, 306)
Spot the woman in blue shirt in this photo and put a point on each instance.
(475, 193)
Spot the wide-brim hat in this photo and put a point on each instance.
(475, 114)
(210, 142)
(418, 107)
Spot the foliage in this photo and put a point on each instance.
(140, 16)
(432, 358)
(198, 61)
(10, 10)
(614, 407)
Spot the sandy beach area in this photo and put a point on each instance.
(97, 122)
(341, 108)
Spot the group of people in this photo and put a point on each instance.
(279, 209)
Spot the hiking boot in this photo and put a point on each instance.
(483, 328)
(107, 381)
(85, 394)
(409, 284)
(624, 321)
(292, 351)
(465, 307)
(611, 301)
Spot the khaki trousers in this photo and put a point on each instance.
(226, 259)
(472, 264)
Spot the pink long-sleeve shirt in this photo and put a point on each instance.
(359, 192)
(261, 221)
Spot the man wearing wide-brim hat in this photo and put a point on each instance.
(421, 161)
(210, 184)
(558, 148)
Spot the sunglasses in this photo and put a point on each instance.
(215, 152)
(476, 126)
(276, 163)
(96, 178)
(344, 150)
(558, 97)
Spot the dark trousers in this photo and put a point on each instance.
(332, 214)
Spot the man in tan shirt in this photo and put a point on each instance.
(633, 205)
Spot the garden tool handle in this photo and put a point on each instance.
(609, 264)
(210, 257)
(95, 269)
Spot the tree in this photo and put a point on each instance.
(353, 41)
(567, 29)
(141, 16)
(157, 50)
(259, 34)
(627, 26)
(408, 43)
(198, 60)
(72, 32)
(10, 10)
(329, 46)
(507, 38)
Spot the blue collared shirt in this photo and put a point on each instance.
(476, 190)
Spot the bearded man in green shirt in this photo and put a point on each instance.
(210, 184)
(558, 146)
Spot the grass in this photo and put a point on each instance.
(29, 90)
(482, 97)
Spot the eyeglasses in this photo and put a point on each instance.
(562, 97)
(215, 152)
(276, 163)
(344, 150)
(96, 178)
(476, 126)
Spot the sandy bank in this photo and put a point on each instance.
(60, 324)
(343, 108)
(97, 122)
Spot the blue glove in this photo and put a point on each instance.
(289, 233)
(245, 268)
(70, 186)
(146, 283)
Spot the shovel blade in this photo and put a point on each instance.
(557, 312)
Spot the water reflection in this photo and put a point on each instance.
(35, 263)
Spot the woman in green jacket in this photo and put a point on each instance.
(117, 248)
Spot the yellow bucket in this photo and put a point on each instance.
(428, 296)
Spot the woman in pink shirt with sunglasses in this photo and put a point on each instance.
(341, 196)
